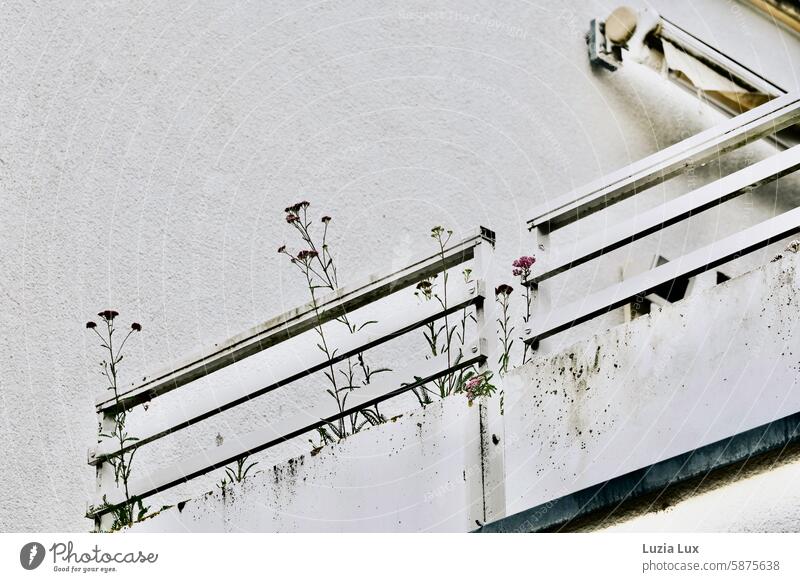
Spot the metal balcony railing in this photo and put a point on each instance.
(757, 123)
(477, 249)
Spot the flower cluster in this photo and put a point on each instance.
(293, 211)
(478, 386)
(472, 387)
(425, 288)
(504, 290)
(295, 208)
(108, 316)
(297, 216)
(522, 266)
(306, 255)
(438, 231)
(315, 261)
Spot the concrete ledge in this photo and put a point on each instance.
(418, 473)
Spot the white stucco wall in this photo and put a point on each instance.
(146, 153)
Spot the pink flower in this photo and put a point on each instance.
(522, 266)
(524, 262)
(474, 383)
(290, 218)
(503, 290)
(472, 388)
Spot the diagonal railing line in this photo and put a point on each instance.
(693, 263)
(690, 204)
(733, 133)
(293, 323)
(262, 439)
(364, 340)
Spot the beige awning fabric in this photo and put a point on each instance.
(707, 80)
(701, 76)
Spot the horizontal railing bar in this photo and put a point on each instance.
(351, 345)
(294, 322)
(672, 212)
(261, 439)
(689, 265)
(738, 131)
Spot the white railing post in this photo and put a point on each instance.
(540, 296)
(492, 433)
(104, 471)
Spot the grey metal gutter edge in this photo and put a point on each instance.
(740, 447)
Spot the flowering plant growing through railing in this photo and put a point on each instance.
(316, 264)
(122, 462)
(502, 293)
(522, 269)
(446, 339)
(451, 336)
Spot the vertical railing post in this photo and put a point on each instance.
(540, 296)
(104, 472)
(492, 434)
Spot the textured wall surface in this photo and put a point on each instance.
(147, 151)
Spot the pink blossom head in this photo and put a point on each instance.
(524, 262)
(473, 387)
(474, 383)
(522, 266)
